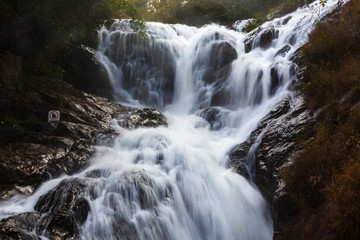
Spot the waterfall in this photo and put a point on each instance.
(214, 86)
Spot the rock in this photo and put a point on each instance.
(248, 42)
(239, 154)
(276, 80)
(45, 149)
(215, 66)
(260, 38)
(286, 20)
(146, 117)
(277, 132)
(238, 159)
(139, 60)
(19, 227)
(60, 213)
(32, 152)
(282, 52)
(213, 116)
(63, 209)
(298, 59)
(267, 36)
(86, 73)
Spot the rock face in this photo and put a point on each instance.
(63, 210)
(212, 68)
(271, 146)
(19, 227)
(260, 38)
(33, 151)
(145, 67)
(59, 215)
(146, 117)
(86, 73)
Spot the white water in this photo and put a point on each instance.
(172, 183)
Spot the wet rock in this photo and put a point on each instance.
(35, 151)
(213, 68)
(283, 51)
(238, 159)
(298, 59)
(147, 67)
(278, 145)
(276, 80)
(147, 117)
(19, 227)
(213, 116)
(222, 54)
(64, 209)
(286, 20)
(267, 36)
(86, 73)
(260, 38)
(248, 42)
(239, 154)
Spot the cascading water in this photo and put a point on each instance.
(172, 182)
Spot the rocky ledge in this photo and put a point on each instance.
(33, 151)
(271, 147)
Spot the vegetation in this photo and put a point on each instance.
(323, 181)
(41, 33)
(44, 30)
(199, 12)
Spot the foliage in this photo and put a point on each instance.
(251, 25)
(327, 172)
(332, 54)
(199, 12)
(44, 30)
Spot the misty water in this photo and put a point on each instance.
(175, 182)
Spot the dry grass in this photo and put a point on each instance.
(326, 174)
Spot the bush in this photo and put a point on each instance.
(326, 174)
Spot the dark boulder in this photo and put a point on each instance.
(60, 214)
(286, 20)
(147, 67)
(267, 36)
(248, 42)
(283, 51)
(276, 79)
(215, 116)
(147, 117)
(260, 38)
(85, 72)
(35, 151)
(298, 59)
(238, 159)
(215, 67)
(20, 227)
(64, 209)
(32, 152)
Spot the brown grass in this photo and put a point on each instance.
(326, 174)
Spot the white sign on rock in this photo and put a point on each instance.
(54, 115)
